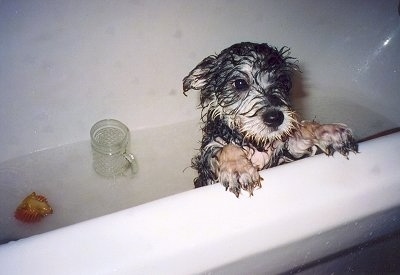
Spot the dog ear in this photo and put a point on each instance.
(197, 78)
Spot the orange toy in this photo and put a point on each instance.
(33, 208)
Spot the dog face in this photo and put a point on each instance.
(247, 85)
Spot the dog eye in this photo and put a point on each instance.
(241, 84)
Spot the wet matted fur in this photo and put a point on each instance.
(249, 123)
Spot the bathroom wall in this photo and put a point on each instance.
(66, 64)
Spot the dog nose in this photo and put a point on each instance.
(273, 118)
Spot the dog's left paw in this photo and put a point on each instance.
(236, 171)
(335, 137)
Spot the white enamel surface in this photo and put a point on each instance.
(206, 229)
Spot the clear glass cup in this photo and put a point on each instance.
(110, 139)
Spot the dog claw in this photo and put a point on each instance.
(235, 190)
(238, 181)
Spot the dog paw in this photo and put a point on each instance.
(236, 172)
(236, 178)
(335, 137)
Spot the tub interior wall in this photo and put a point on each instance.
(76, 193)
(67, 64)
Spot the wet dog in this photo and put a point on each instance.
(249, 123)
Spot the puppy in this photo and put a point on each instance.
(249, 124)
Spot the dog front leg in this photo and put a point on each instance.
(328, 137)
(235, 171)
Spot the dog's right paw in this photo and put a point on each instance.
(236, 172)
(234, 179)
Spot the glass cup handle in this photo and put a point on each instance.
(132, 162)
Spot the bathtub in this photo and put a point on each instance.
(67, 65)
(305, 211)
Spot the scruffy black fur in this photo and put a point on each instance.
(249, 123)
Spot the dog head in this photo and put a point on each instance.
(247, 85)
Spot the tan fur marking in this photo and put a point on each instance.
(236, 170)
